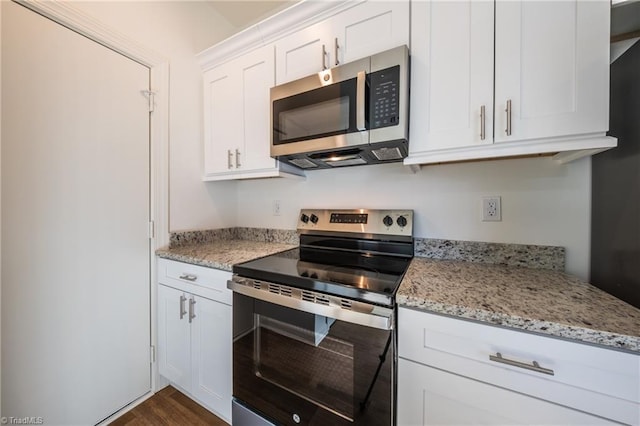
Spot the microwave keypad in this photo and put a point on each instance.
(384, 92)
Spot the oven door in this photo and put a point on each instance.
(321, 112)
(300, 368)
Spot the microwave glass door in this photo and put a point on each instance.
(322, 112)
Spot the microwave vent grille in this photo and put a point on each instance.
(303, 163)
(386, 154)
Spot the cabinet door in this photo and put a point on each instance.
(256, 72)
(174, 342)
(222, 119)
(552, 62)
(451, 74)
(367, 29)
(303, 53)
(211, 355)
(428, 396)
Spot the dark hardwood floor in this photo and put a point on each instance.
(168, 407)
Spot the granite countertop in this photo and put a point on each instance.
(222, 254)
(538, 300)
(517, 286)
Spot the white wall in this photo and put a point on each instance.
(179, 30)
(542, 202)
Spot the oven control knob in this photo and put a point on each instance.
(387, 221)
(314, 219)
(401, 221)
(304, 218)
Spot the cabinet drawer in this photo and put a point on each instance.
(206, 282)
(593, 379)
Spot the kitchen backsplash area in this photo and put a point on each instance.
(543, 203)
(524, 255)
(183, 238)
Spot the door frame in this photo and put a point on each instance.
(68, 16)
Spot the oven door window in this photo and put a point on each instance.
(322, 112)
(307, 363)
(292, 365)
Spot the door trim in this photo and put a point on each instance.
(68, 16)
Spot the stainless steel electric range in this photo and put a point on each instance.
(314, 327)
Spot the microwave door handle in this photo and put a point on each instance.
(360, 104)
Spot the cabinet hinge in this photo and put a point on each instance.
(152, 354)
(152, 230)
(151, 98)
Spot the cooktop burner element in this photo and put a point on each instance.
(354, 254)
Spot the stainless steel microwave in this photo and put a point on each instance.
(349, 115)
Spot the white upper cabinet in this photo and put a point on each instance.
(236, 118)
(221, 119)
(363, 30)
(552, 62)
(369, 28)
(303, 53)
(452, 69)
(546, 94)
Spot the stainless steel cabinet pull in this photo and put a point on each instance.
(336, 47)
(229, 157)
(238, 159)
(482, 123)
(188, 277)
(508, 111)
(534, 366)
(182, 310)
(192, 315)
(324, 56)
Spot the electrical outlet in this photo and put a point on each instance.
(491, 209)
(276, 207)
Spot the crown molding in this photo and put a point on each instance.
(290, 20)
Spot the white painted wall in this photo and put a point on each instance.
(179, 30)
(542, 202)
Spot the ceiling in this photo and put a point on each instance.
(243, 13)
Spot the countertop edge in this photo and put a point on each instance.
(194, 261)
(582, 335)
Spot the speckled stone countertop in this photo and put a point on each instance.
(221, 249)
(516, 286)
(537, 300)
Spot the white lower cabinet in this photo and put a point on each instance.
(428, 396)
(194, 334)
(452, 371)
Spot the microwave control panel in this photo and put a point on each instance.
(384, 92)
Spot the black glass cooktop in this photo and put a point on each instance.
(367, 277)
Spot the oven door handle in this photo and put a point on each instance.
(361, 81)
(359, 313)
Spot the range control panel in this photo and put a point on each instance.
(364, 221)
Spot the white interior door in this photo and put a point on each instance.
(75, 213)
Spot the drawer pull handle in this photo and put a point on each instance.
(533, 366)
(188, 277)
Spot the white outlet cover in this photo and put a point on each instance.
(491, 209)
